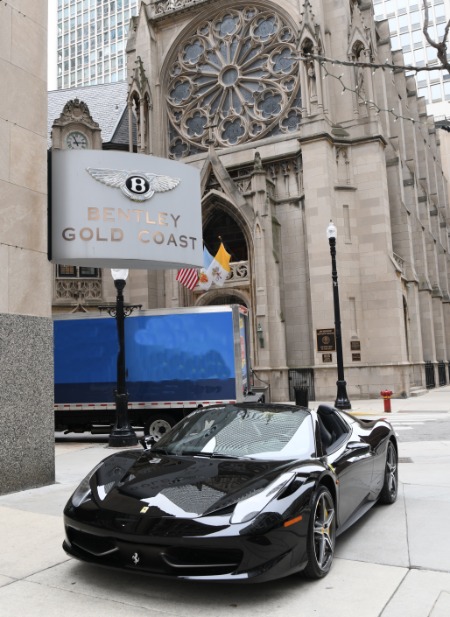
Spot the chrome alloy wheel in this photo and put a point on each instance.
(390, 487)
(391, 470)
(324, 525)
(321, 534)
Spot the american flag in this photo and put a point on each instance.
(188, 277)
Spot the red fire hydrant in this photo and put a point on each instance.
(386, 394)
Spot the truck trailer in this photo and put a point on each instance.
(176, 360)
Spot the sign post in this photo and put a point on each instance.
(120, 210)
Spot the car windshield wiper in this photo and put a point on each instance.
(159, 451)
(208, 454)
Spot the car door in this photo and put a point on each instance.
(353, 465)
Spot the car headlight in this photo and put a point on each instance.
(83, 492)
(110, 472)
(249, 508)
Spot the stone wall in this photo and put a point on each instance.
(26, 350)
(26, 402)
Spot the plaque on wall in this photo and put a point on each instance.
(326, 340)
(327, 357)
(356, 357)
(355, 345)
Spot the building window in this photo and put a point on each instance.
(414, 17)
(423, 92)
(447, 91)
(436, 93)
(393, 25)
(77, 272)
(67, 271)
(403, 23)
(419, 56)
(85, 25)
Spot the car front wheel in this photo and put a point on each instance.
(321, 534)
(390, 487)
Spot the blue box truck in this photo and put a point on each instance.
(176, 360)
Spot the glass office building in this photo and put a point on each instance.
(406, 23)
(91, 41)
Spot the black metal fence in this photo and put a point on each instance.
(430, 381)
(442, 374)
(301, 385)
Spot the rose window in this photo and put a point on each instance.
(234, 80)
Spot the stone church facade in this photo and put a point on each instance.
(285, 143)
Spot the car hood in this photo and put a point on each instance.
(186, 486)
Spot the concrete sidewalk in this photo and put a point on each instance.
(435, 400)
(393, 563)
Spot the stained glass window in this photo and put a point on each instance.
(234, 79)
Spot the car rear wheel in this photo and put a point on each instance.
(321, 534)
(158, 425)
(390, 487)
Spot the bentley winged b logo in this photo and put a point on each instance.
(136, 185)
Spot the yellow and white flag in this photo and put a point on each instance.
(219, 268)
(204, 280)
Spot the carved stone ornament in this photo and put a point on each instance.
(235, 79)
(76, 111)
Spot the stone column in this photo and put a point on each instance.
(271, 357)
(142, 131)
(27, 452)
(426, 321)
(130, 125)
(439, 327)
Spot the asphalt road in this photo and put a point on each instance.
(434, 427)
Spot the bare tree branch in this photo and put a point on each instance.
(374, 65)
(441, 46)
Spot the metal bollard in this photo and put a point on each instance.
(386, 394)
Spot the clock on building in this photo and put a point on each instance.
(76, 140)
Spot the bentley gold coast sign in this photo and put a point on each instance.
(110, 209)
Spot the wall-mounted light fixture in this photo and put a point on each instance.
(260, 332)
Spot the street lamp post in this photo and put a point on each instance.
(342, 401)
(122, 434)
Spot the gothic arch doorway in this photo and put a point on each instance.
(219, 298)
(221, 226)
(227, 299)
(222, 222)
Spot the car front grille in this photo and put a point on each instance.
(89, 543)
(218, 559)
(162, 559)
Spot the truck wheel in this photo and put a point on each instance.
(158, 425)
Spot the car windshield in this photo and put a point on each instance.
(242, 431)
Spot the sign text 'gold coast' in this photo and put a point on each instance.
(162, 227)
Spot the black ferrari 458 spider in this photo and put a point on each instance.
(235, 493)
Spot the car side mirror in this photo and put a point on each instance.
(147, 442)
(357, 446)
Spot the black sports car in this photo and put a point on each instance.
(235, 493)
